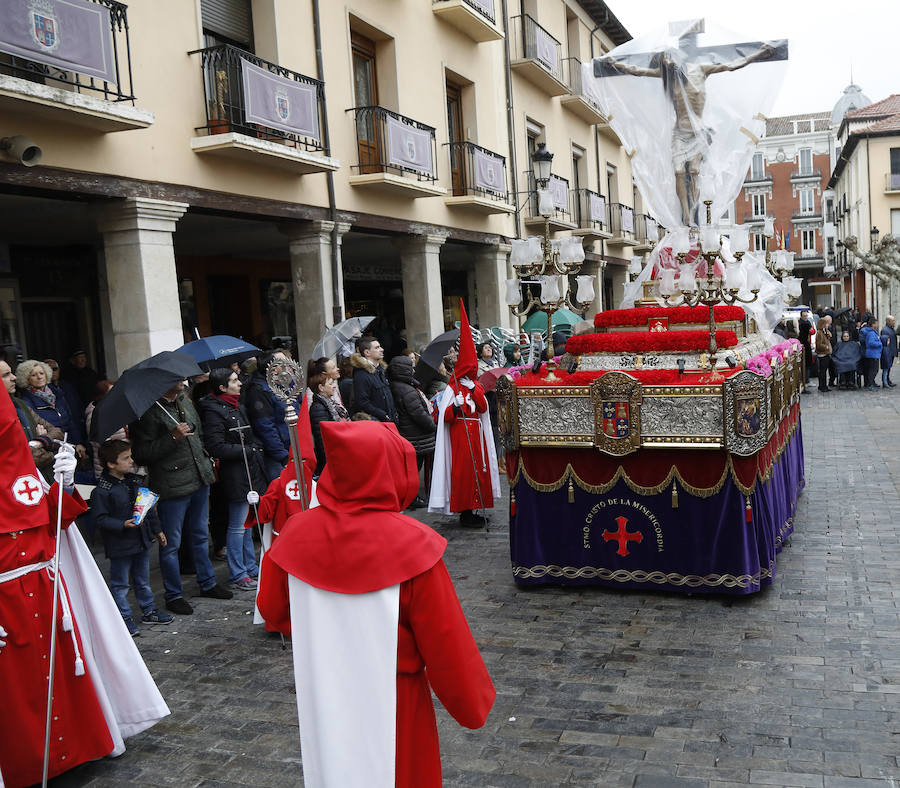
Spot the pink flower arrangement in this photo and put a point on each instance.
(763, 363)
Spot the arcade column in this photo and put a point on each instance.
(491, 266)
(313, 281)
(139, 256)
(420, 264)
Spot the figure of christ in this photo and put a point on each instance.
(684, 83)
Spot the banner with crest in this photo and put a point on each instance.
(280, 103)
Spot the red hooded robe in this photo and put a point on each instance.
(357, 541)
(468, 443)
(79, 731)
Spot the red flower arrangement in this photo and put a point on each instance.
(676, 314)
(643, 341)
(648, 377)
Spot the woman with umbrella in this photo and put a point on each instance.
(241, 469)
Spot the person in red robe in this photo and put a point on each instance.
(357, 552)
(465, 475)
(78, 728)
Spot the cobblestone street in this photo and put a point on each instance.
(796, 686)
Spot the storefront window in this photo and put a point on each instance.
(276, 299)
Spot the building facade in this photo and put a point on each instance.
(788, 181)
(866, 184)
(265, 169)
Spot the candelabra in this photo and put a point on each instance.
(712, 289)
(543, 265)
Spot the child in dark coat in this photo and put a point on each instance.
(127, 544)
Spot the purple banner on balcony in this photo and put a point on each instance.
(627, 219)
(279, 103)
(560, 191)
(72, 35)
(488, 172)
(545, 47)
(409, 147)
(597, 208)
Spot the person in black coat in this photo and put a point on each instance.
(804, 326)
(322, 408)
(222, 412)
(126, 542)
(889, 350)
(414, 419)
(371, 391)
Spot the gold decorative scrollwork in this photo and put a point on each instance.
(507, 414)
(746, 415)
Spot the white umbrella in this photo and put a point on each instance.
(339, 336)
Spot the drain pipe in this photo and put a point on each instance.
(603, 305)
(510, 124)
(337, 313)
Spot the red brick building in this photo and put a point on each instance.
(788, 180)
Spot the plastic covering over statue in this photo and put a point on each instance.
(708, 89)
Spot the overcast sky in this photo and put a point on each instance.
(826, 38)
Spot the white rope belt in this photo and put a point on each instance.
(67, 625)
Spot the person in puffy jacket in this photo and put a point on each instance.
(414, 418)
(871, 342)
(222, 413)
(266, 412)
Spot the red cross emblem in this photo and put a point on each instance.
(27, 490)
(291, 490)
(622, 536)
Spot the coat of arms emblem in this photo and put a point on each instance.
(616, 421)
(411, 149)
(44, 26)
(282, 106)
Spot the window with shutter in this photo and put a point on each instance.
(228, 21)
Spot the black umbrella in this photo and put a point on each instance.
(433, 355)
(843, 310)
(137, 389)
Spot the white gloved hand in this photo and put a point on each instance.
(467, 383)
(64, 465)
(470, 402)
(3, 634)
(458, 399)
(253, 497)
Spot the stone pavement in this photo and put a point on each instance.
(796, 686)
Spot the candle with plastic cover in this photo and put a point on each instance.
(769, 227)
(709, 238)
(687, 279)
(789, 261)
(753, 277)
(545, 202)
(681, 240)
(549, 289)
(585, 292)
(733, 278)
(740, 238)
(667, 282)
(513, 292)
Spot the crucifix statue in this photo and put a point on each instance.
(684, 70)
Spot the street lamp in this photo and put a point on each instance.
(873, 235)
(541, 163)
(543, 266)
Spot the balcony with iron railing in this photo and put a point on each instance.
(590, 214)
(536, 55)
(758, 178)
(560, 217)
(583, 99)
(395, 153)
(70, 64)
(646, 232)
(475, 18)
(260, 112)
(801, 175)
(805, 215)
(478, 179)
(621, 225)
(892, 181)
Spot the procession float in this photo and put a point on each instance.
(664, 450)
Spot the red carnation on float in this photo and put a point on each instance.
(643, 341)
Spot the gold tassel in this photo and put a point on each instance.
(674, 495)
(571, 491)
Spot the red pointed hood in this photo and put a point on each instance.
(22, 500)
(467, 362)
(356, 540)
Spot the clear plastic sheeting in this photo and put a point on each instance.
(688, 102)
(746, 275)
